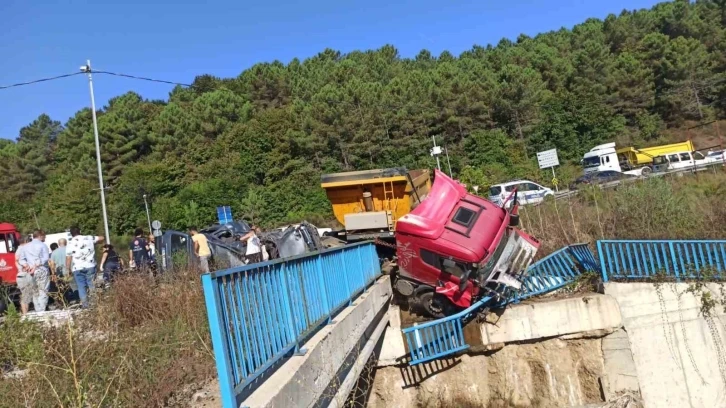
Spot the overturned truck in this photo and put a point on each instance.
(177, 248)
(455, 248)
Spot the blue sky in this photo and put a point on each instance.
(177, 40)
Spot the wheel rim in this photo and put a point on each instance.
(434, 306)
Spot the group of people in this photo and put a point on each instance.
(255, 252)
(73, 263)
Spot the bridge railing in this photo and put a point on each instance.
(261, 313)
(556, 270)
(445, 336)
(636, 259)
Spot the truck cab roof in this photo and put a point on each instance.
(460, 224)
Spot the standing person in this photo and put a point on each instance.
(139, 250)
(201, 249)
(24, 279)
(152, 246)
(58, 266)
(34, 259)
(152, 252)
(81, 253)
(110, 263)
(254, 252)
(264, 255)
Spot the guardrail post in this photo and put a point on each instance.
(366, 278)
(219, 344)
(346, 274)
(601, 255)
(672, 248)
(323, 287)
(287, 305)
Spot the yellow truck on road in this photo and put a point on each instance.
(630, 160)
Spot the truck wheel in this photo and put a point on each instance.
(3, 306)
(646, 171)
(434, 304)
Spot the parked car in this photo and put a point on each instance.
(602, 178)
(529, 192)
(718, 156)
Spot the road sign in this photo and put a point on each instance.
(548, 159)
(224, 214)
(156, 224)
(157, 233)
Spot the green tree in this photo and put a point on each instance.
(26, 169)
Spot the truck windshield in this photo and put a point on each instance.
(591, 162)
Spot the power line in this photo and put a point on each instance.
(141, 78)
(95, 72)
(40, 80)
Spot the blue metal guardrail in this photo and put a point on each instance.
(443, 337)
(635, 259)
(258, 314)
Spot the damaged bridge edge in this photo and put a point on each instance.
(445, 337)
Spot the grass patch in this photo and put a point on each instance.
(688, 207)
(144, 341)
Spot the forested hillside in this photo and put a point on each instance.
(260, 141)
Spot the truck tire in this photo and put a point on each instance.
(3, 306)
(646, 171)
(435, 305)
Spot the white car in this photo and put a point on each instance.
(718, 156)
(529, 192)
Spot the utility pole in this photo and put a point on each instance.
(87, 69)
(148, 216)
(446, 149)
(436, 151)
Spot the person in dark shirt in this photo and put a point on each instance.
(139, 250)
(110, 263)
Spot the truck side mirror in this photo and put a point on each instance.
(514, 220)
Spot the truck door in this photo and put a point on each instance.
(8, 270)
(675, 162)
(686, 160)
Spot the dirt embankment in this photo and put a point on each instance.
(552, 373)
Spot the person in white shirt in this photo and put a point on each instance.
(81, 253)
(254, 251)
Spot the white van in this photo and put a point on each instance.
(529, 192)
(678, 160)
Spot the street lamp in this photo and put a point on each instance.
(87, 69)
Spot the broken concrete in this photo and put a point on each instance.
(620, 376)
(393, 347)
(595, 313)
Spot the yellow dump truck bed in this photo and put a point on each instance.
(645, 155)
(391, 190)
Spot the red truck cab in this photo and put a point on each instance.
(9, 241)
(458, 246)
